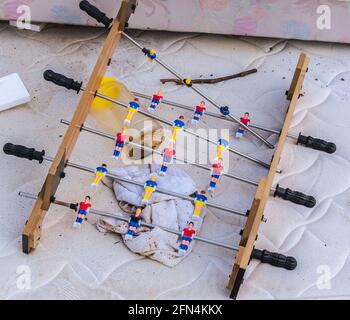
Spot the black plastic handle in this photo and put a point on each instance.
(317, 144)
(62, 81)
(295, 197)
(24, 152)
(275, 259)
(74, 206)
(95, 13)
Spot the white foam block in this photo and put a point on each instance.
(12, 92)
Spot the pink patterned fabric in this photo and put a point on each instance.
(296, 19)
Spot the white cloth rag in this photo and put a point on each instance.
(164, 210)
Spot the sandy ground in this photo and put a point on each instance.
(90, 265)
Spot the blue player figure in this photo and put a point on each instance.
(200, 201)
(149, 188)
(178, 125)
(156, 100)
(150, 53)
(134, 224)
(223, 145)
(83, 210)
(100, 173)
(186, 238)
(132, 109)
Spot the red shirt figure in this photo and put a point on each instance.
(201, 108)
(169, 152)
(198, 112)
(84, 206)
(189, 232)
(186, 238)
(121, 136)
(157, 97)
(156, 100)
(217, 168)
(245, 119)
(83, 210)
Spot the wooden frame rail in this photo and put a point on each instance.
(32, 230)
(256, 212)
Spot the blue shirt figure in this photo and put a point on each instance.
(149, 187)
(101, 169)
(223, 142)
(100, 173)
(179, 123)
(150, 183)
(134, 105)
(201, 197)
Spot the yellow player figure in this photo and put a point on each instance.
(200, 201)
(132, 109)
(223, 145)
(178, 125)
(100, 173)
(149, 188)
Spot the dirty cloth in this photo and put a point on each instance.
(164, 210)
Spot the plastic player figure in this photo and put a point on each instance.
(186, 238)
(134, 224)
(245, 120)
(151, 54)
(199, 203)
(178, 125)
(119, 143)
(132, 109)
(100, 173)
(149, 188)
(156, 100)
(223, 145)
(216, 172)
(83, 210)
(198, 113)
(168, 155)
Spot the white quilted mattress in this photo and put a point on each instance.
(89, 265)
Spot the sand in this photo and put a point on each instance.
(90, 265)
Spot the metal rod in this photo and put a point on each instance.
(108, 136)
(208, 113)
(148, 225)
(160, 190)
(169, 123)
(201, 93)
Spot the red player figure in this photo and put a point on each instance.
(83, 210)
(119, 143)
(168, 155)
(156, 100)
(245, 120)
(186, 238)
(198, 113)
(216, 172)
